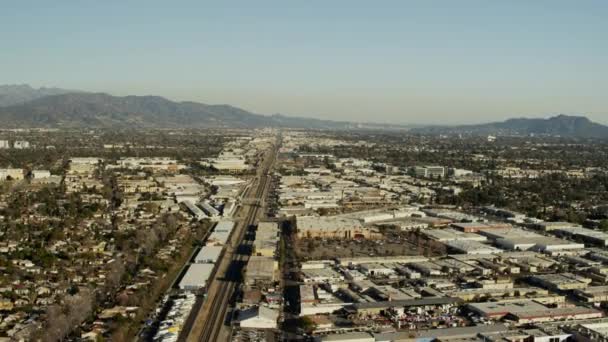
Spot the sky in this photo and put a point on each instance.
(407, 62)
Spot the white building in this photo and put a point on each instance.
(429, 171)
(21, 144)
(259, 317)
(208, 255)
(40, 174)
(14, 174)
(196, 277)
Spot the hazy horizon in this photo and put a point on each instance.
(407, 63)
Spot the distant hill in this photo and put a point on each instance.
(14, 94)
(561, 125)
(98, 110)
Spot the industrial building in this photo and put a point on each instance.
(209, 209)
(522, 240)
(196, 212)
(208, 254)
(258, 317)
(590, 236)
(266, 239)
(449, 234)
(261, 271)
(471, 247)
(196, 277)
(561, 282)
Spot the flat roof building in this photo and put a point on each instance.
(471, 247)
(333, 227)
(196, 277)
(261, 270)
(208, 254)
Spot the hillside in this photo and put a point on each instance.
(561, 125)
(98, 110)
(14, 94)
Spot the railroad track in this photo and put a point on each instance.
(220, 303)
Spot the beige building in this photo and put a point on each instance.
(14, 174)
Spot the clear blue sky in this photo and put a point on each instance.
(386, 61)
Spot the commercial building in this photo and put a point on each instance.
(429, 171)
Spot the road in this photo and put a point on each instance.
(210, 322)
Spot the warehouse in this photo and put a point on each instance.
(208, 255)
(588, 235)
(561, 282)
(217, 238)
(498, 310)
(209, 209)
(261, 270)
(593, 294)
(471, 247)
(556, 314)
(548, 226)
(258, 317)
(266, 239)
(474, 227)
(224, 226)
(519, 239)
(196, 277)
(195, 211)
(449, 234)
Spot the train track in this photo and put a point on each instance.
(217, 314)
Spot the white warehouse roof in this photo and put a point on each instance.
(208, 254)
(196, 276)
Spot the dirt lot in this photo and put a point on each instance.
(312, 249)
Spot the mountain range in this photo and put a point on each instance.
(98, 110)
(22, 106)
(560, 125)
(14, 94)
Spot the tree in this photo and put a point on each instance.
(604, 225)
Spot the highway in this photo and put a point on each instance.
(210, 322)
